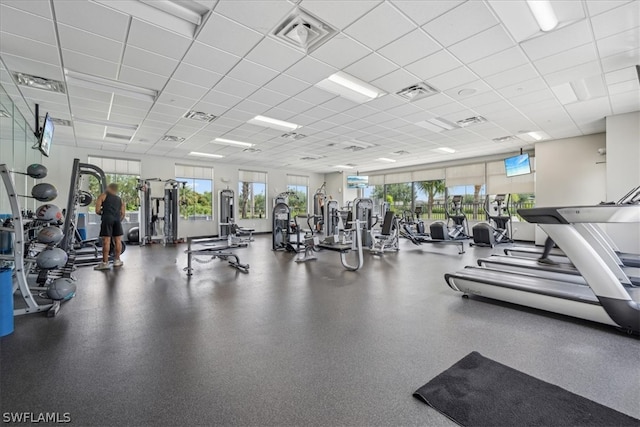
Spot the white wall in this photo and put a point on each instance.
(337, 188)
(623, 172)
(570, 172)
(61, 160)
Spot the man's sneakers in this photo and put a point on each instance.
(117, 263)
(102, 266)
(546, 261)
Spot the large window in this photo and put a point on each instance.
(252, 190)
(126, 174)
(196, 198)
(429, 197)
(299, 201)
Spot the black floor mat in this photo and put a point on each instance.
(477, 391)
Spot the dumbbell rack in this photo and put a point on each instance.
(32, 306)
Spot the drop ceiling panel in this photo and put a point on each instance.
(142, 78)
(621, 60)
(340, 52)
(23, 65)
(196, 76)
(40, 8)
(567, 59)
(314, 96)
(557, 41)
(268, 97)
(464, 21)
(417, 12)
(20, 46)
(486, 43)
(433, 65)
(209, 58)
(89, 43)
(147, 61)
(389, 25)
(235, 87)
(522, 88)
(371, 67)
(505, 60)
(410, 47)
(145, 36)
(619, 43)
(338, 12)
(173, 100)
(395, 81)
(622, 18)
(93, 18)
(274, 55)
(221, 99)
(225, 34)
(625, 102)
(75, 92)
(183, 89)
(597, 7)
(27, 25)
(452, 78)
(89, 65)
(512, 76)
(286, 85)
(310, 70)
(574, 73)
(261, 16)
(621, 75)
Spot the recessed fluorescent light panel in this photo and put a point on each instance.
(110, 86)
(343, 167)
(533, 136)
(273, 123)
(36, 82)
(385, 159)
(445, 150)
(544, 14)
(200, 116)
(3, 113)
(436, 124)
(349, 87)
(212, 156)
(224, 141)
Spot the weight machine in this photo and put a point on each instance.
(319, 205)
(159, 214)
(363, 213)
(227, 227)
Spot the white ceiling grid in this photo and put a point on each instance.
(474, 52)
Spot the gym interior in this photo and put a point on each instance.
(356, 212)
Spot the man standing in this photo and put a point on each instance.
(112, 210)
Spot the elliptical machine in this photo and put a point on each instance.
(499, 229)
(456, 227)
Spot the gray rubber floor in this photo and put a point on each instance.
(288, 344)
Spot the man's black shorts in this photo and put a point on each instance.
(111, 227)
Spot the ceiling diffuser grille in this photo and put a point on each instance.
(303, 31)
(418, 91)
(505, 138)
(200, 116)
(117, 136)
(36, 82)
(471, 121)
(57, 122)
(173, 138)
(293, 135)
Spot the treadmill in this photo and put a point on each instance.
(605, 299)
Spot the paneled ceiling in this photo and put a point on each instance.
(485, 58)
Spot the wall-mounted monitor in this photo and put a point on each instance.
(517, 165)
(357, 181)
(46, 136)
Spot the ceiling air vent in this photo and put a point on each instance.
(355, 145)
(293, 135)
(303, 31)
(311, 158)
(418, 91)
(252, 150)
(173, 138)
(400, 153)
(505, 138)
(471, 121)
(39, 83)
(200, 116)
(117, 136)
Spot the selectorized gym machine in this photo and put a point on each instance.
(227, 227)
(499, 229)
(319, 205)
(281, 231)
(363, 213)
(159, 214)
